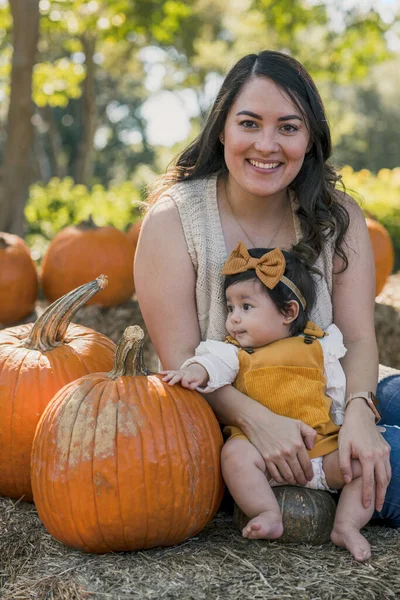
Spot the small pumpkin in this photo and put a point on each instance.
(307, 515)
(382, 247)
(18, 279)
(122, 461)
(36, 360)
(78, 253)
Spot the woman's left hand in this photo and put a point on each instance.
(359, 438)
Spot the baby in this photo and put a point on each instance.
(279, 358)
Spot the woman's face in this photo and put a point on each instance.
(265, 139)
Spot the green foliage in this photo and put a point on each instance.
(54, 84)
(379, 197)
(61, 203)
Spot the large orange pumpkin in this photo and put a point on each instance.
(18, 279)
(382, 247)
(36, 360)
(122, 461)
(78, 253)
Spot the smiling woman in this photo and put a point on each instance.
(259, 172)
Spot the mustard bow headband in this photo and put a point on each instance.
(269, 268)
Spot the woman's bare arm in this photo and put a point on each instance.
(165, 285)
(353, 309)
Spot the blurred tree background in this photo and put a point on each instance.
(98, 96)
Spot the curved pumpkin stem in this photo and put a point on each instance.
(50, 328)
(3, 243)
(128, 358)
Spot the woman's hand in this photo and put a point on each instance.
(359, 438)
(283, 443)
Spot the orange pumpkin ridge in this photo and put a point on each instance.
(36, 360)
(18, 279)
(123, 461)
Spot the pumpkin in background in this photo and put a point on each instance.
(36, 360)
(133, 233)
(18, 279)
(382, 247)
(133, 236)
(122, 461)
(78, 253)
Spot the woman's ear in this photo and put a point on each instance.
(222, 138)
(291, 312)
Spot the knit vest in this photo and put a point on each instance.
(197, 204)
(287, 376)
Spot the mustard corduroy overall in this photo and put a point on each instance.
(287, 376)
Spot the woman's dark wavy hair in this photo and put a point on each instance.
(297, 271)
(321, 214)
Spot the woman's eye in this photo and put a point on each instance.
(288, 128)
(248, 124)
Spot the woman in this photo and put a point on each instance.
(258, 172)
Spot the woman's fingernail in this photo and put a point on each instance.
(347, 479)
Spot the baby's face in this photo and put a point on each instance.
(253, 319)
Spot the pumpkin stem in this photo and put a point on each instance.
(87, 224)
(128, 357)
(3, 243)
(50, 329)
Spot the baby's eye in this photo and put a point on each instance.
(229, 308)
(246, 306)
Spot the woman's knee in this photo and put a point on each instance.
(388, 396)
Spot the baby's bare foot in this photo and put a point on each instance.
(352, 539)
(267, 526)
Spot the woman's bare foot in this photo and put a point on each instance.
(352, 539)
(266, 526)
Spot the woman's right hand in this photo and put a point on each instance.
(283, 443)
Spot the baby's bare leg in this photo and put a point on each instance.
(351, 515)
(243, 469)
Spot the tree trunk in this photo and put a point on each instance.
(16, 170)
(84, 164)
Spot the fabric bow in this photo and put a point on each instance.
(269, 268)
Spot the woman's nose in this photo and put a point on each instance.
(266, 142)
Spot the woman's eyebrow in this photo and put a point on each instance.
(259, 117)
(250, 114)
(290, 118)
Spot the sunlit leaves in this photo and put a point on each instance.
(55, 83)
(62, 203)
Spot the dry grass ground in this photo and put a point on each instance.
(217, 564)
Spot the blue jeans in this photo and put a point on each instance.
(388, 395)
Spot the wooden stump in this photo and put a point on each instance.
(307, 515)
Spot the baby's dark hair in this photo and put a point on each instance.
(297, 271)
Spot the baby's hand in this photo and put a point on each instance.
(190, 377)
